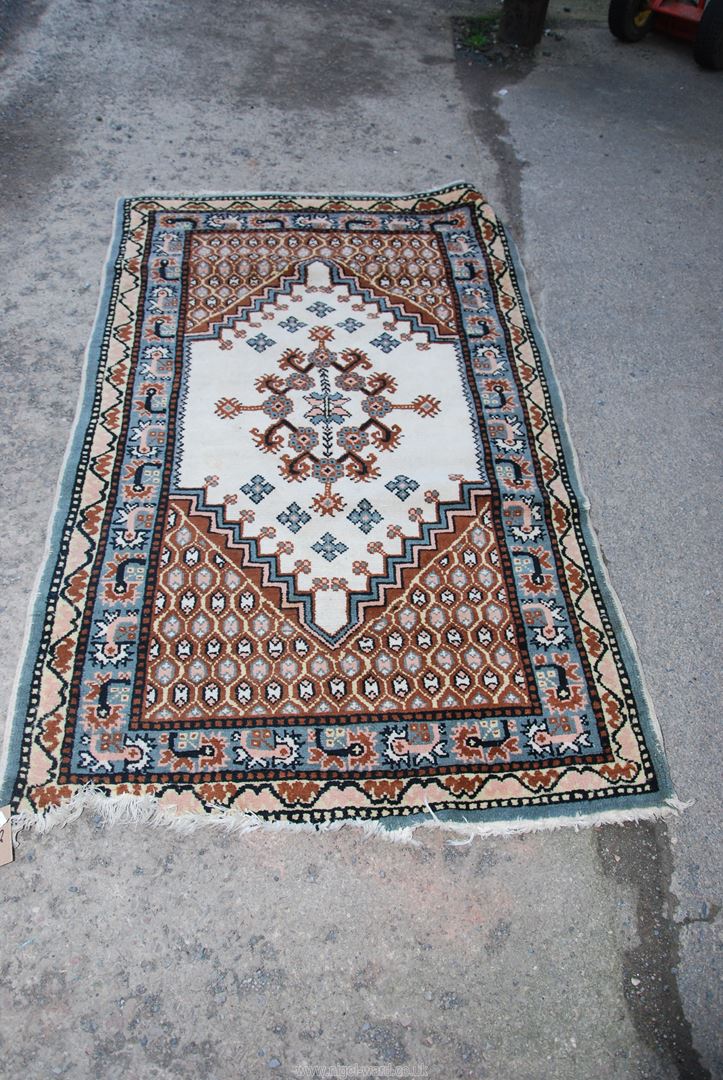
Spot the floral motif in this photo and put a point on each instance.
(325, 410)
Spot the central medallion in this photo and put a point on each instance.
(339, 395)
(328, 448)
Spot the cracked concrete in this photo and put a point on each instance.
(137, 953)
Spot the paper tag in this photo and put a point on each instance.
(6, 837)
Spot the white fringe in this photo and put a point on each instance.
(145, 810)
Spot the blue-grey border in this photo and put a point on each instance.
(574, 808)
(19, 701)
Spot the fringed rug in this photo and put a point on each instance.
(320, 552)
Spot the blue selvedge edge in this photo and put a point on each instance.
(19, 700)
(571, 808)
(574, 809)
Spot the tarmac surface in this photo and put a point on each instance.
(131, 952)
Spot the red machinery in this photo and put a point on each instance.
(699, 22)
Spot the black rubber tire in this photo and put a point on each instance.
(708, 50)
(622, 16)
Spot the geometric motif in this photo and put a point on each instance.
(365, 516)
(260, 342)
(214, 630)
(328, 547)
(257, 488)
(386, 342)
(321, 552)
(350, 325)
(402, 487)
(292, 325)
(293, 517)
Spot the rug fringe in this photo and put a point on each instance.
(145, 810)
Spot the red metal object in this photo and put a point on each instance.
(677, 18)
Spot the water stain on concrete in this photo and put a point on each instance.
(641, 856)
(17, 16)
(481, 84)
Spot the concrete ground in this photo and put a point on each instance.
(136, 953)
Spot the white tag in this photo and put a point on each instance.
(6, 837)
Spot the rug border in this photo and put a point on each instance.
(647, 805)
(488, 821)
(622, 630)
(16, 715)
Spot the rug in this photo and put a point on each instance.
(320, 553)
